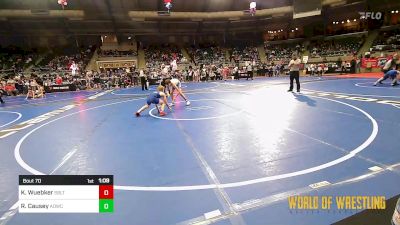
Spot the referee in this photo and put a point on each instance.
(143, 80)
(294, 66)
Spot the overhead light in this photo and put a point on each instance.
(297, 28)
(355, 20)
(129, 38)
(253, 5)
(292, 30)
(392, 11)
(397, 11)
(334, 22)
(342, 22)
(348, 20)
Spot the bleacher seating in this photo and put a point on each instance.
(337, 47)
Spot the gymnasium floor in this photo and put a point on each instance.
(242, 147)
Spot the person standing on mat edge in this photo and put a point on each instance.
(249, 69)
(143, 81)
(294, 73)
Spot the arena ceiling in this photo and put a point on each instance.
(96, 17)
(102, 6)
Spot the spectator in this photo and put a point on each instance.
(10, 89)
(59, 80)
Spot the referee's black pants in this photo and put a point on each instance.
(294, 75)
(143, 83)
(1, 95)
(249, 75)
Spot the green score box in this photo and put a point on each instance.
(106, 205)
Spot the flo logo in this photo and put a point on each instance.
(370, 15)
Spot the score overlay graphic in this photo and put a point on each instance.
(66, 194)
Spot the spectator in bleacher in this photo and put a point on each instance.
(338, 47)
(10, 89)
(59, 80)
(207, 54)
(116, 53)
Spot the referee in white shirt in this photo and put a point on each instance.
(294, 66)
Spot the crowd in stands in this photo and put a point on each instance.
(282, 52)
(62, 62)
(34, 84)
(31, 86)
(339, 47)
(116, 53)
(81, 59)
(207, 54)
(244, 53)
(156, 56)
(387, 41)
(16, 60)
(208, 62)
(55, 69)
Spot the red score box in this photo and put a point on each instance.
(106, 192)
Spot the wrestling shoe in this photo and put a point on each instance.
(162, 113)
(137, 114)
(187, 103)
